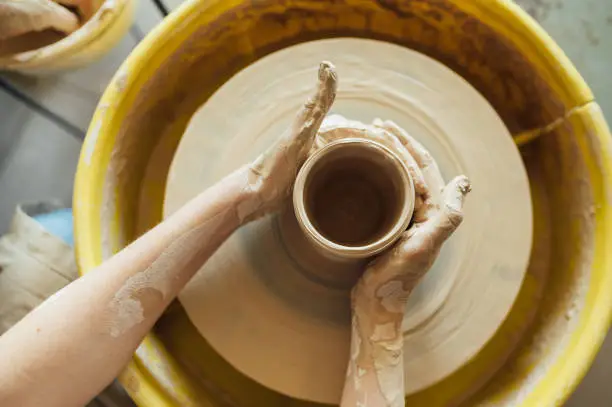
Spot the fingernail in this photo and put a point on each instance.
(326, 69)
(464, 186)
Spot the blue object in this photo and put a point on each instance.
(58, 223)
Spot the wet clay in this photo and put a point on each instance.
(288, 321)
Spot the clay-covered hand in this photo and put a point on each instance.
(390, 278)
(375, 373)
(271, 175)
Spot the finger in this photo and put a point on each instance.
(417, 213)
(334, 120)
(336, 127)
(420, 153)
(317, 106)
(424, 211)
(291, 150)
(327, 86)
(420, 186)
(428, 166)
(449, 217)
(312, 113)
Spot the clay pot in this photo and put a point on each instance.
(330, 243)
(353, 198)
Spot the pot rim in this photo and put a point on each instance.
(381, 243)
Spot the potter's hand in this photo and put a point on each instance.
(391, 277)
(375, 374)
(271, 175)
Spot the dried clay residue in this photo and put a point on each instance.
(127, 309)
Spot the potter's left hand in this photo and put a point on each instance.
(271, 175)
(127, 293)
(117, 303)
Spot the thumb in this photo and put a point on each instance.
(290, 151)
(316, 107)
(450, 216)
(298, 140)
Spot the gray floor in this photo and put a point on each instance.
(38, 153)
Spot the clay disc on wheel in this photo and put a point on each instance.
(255, 302)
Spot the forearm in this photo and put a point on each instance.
(75, 343)
(375, 375)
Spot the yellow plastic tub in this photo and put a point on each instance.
(563, 311)
(96, 37)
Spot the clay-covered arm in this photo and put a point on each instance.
(68, 349)
(375, 374)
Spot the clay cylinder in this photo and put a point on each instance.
(353, 198)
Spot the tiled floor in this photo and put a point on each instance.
(38, 153)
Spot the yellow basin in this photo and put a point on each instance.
(105, 28)
(563, 311)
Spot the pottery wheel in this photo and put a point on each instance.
(255, 301)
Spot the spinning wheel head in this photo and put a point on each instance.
(276, 308)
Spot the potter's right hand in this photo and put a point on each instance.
(375, 374)
(390, 278)
(271, 175)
